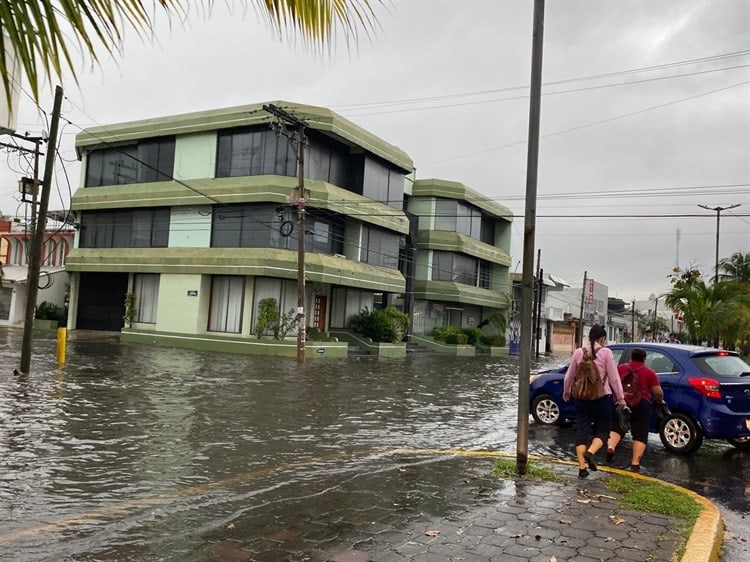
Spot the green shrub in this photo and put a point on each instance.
(288, 324)
(495, 341)
(49, 311)
(268, 317)
(381, 325)
(457, 339)
(472, 335)
(441, 333)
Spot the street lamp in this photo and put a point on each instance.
(718, 216)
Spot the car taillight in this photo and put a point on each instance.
(710, 388)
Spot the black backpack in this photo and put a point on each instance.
(630, 387)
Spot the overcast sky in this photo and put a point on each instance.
(447, 83)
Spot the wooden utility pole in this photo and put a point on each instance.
(35, 251)
(527, 277)
(298, 199)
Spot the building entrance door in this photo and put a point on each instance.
(319, 312)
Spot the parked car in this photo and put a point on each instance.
(707, 390)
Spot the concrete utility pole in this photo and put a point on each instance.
(527, 276)
(579, 336)
(718, 216)
(35, 251)
(298, 199)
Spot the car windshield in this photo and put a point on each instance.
(722, 365)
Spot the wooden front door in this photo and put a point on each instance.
(319, 312)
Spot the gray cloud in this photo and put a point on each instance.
(436, 49)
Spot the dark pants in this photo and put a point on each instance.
(593, 419)
(638, 421)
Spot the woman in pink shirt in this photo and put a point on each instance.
(594, 413)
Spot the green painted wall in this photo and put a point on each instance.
(195, 156)
(177, 311)
(190, 227)
(319, 118)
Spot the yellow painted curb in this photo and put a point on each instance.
(707, 533)
(704, 543)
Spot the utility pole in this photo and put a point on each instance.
(579, 339)
(35, 251)
(535, 304)
(298, 199)
(718, 216)
(532, 165)
(540, 294)
(632, 323)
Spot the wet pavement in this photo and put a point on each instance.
(138, 453)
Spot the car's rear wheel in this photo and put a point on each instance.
(680, 434)
(742, 443)
(545, 410)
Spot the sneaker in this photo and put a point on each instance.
(635, 468)
(589, 456)
(582, 473)
(610, 455)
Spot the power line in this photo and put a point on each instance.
(552, 83)
(525, 96)
(591, 124)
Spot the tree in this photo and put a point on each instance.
(735, 268)
(42, 32)
(718, 313)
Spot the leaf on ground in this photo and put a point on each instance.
(618, 520)
(566, 522)
(432, 533)
(553, 558)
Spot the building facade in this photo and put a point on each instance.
(461, 257)
(15, 242)
(191, 220)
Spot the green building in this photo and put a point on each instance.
(191, 220)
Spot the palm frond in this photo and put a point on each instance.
(39, 31)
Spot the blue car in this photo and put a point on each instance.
(707, 390)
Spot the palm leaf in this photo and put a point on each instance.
(42, 32)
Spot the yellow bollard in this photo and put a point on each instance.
(62, 336)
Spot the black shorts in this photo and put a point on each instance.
(638, 421)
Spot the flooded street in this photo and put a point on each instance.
(145, 453)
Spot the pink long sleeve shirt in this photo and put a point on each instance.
(605, 363)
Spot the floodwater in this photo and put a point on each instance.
(146, 453)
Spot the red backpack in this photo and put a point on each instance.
(630, 387)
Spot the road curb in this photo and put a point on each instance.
(706, 536)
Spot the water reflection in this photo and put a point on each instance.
(142, 453)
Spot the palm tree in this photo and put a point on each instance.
(714, 313)
(40, 33)
(735, 268)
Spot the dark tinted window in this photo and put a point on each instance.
(380, 247)
(265, 225)
(722, 365)
(455, 216)
(383, 182)
(459, 268)
(132, 228)
(147, 161)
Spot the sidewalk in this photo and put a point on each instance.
(504, 520)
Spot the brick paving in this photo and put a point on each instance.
(407, 513)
